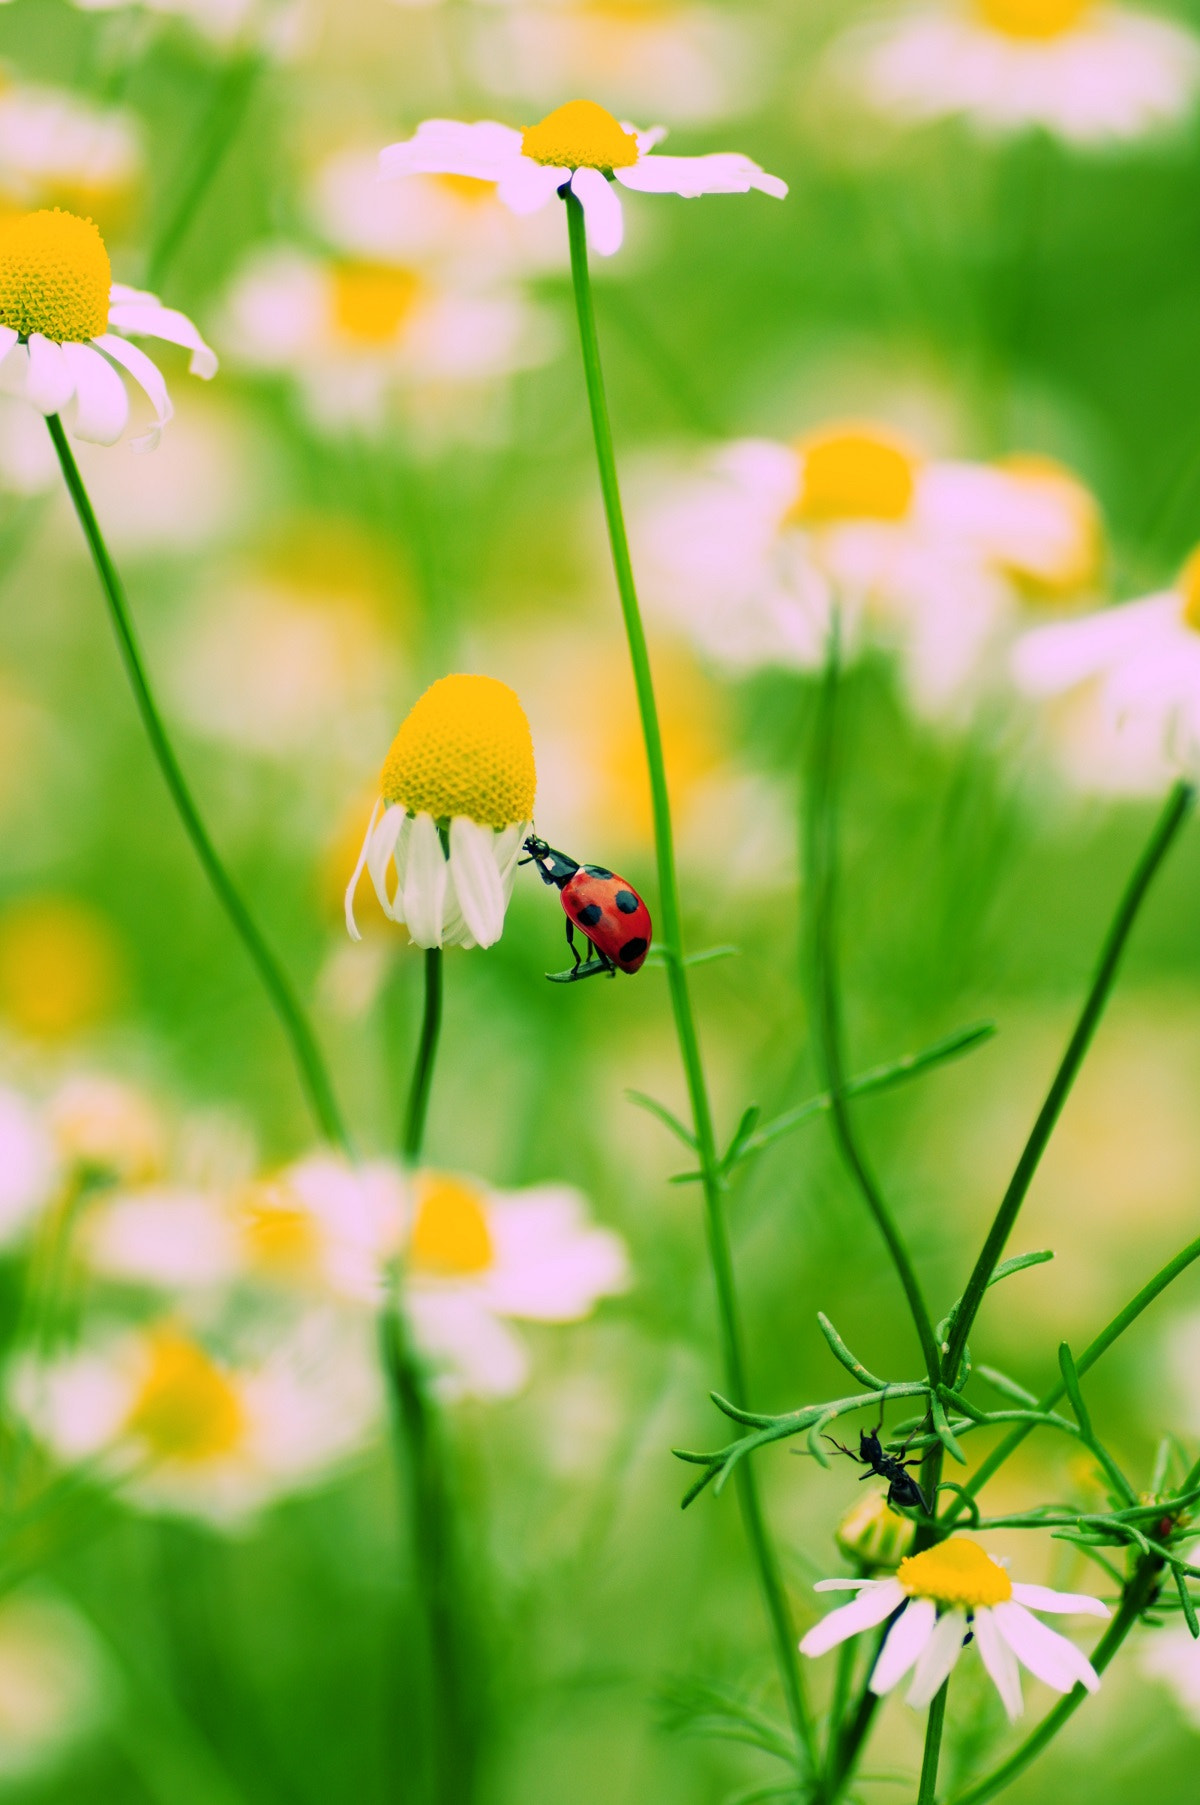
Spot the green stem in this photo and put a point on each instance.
(822, 863)
(422, 1078)
(1174, 814)
(774, 1597)
(927, 1792)
(310, 1064)
(219, 127)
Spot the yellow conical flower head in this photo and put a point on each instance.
(54, 276)
(953, 1573)
(580, 135)
(1035, 18)
(465, 749)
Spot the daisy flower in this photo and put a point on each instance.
(61, 967)
(1122, 688)
(108, 1130)
(476, 1257)
(1082, 69)
(456, 804)
(939, 1597)
(578, 146)
(1173, 1657)
(30, 1169)
(61, 317)
(227, 23)
(58, 149)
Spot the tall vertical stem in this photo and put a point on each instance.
(927, 1792)
(422, 1078)
(670, 915)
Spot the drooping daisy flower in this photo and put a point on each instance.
(476, 1257)
(1083, 69)
(940, 1596)
(60, 317)
(580, 146)
(456, 804)
(1122, 688)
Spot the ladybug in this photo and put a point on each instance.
(609, 911)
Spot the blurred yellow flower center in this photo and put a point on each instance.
(279, 1235)
(1079, 555)
(465, 749)
(59, 968)
(580, 135)
(470, 188)
(1034, 18)
(1189, 586)
(957, 1572)
(54, 276)
(450, 1236)
(371, 301)
(186, 1409)
(854, 474)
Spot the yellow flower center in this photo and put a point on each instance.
(55, 276)
(854, 473)
(465, 749)
(59, 967)
(959, 1572)
(371, 301)
(279, 1235)
(1033, 18)
(450, 1236)
(469, 188)
(1082, 550)
(186, 1409)
(580, 135)
(1189, 587)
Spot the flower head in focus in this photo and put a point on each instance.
(578, 146)
(61, 321)
(476, 1257)
(1083, 69)
(943, 1595)
(457, 801)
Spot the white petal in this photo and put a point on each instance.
(1047, 1654)
(846, 1585)
(477, 883)
(101, 406)
(938, 1657)
(423, 904)
(722, 172)
(602, 210)
(1000, 1662)
(389, 840)
(8, 338)
(868, 1609)
(49, 384)
(906, 1641)
(649, 138)
(525, 185)
(352, 886)
(447, 147)
(1067, 1604)
(148, 377)
(148, 319)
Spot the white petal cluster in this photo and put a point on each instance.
(452, 893)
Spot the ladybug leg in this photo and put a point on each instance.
(571, 942)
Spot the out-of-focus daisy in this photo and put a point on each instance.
(57, 149)
(61, 317)
(352, 332)
(751, 555)
(107, 1129)
(1083, 69)
(457, 801)
(580, 146)
(29, 1164)
(645, 56)
(1122, 688)
(477, 1257)
(54, 1687)
(271, 25)
(61, 968)
(943, 1595)
(1173, 1656)
(186, 1432)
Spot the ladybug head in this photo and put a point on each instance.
(555, 867)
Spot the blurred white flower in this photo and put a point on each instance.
(1173, 1656)
(56, 148)
(54, 1687)
(272, 25)
(1121, 689)
(1082, 69)
(186, 1433)
(934, 557)
(28, 465)
(477, 1257)
(579, 145)
(105, 1127)
(29, 1164)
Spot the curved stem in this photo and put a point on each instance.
(927, 1792)
(310, 1064)
(1174, 814)
(774, 1597)
(422, 1078)
(218, 128)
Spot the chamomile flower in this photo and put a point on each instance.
(578, 146)
(271, 24)
(1082, 69)
(57, 149)
(61, 321)
(476, 1258)
(1122, 688)
(939, 1597)
(29, 1165)
(106, 1129)
(456, 804)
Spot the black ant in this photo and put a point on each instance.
(903, 1491)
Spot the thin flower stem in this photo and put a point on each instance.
(218, 128)
(310, 1064)
(422, 1078)
(927, 1791)
(1175, 813)
(822, 860)
(770, 1580)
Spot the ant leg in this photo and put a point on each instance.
(843, 1449)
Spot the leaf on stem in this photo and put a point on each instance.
(1185, 1600)
(666, 1116)
(1066, 1365)
(842, 1353)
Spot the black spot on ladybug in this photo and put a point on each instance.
(597, 871)
(632, 949)
(627, 902)
(589, 915)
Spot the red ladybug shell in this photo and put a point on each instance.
(611, 914)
